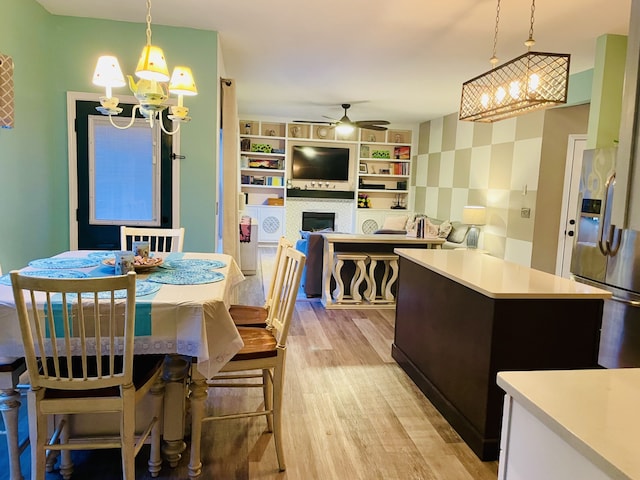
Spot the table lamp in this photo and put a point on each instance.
(473, 216)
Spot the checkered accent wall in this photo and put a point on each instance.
(495, 165)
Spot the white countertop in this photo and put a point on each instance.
(497, 278)
(596, 411)
(381, 238)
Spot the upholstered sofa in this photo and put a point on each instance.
(455, 236)
(312, 245)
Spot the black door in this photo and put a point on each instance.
(95, 232)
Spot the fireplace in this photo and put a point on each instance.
(312, 221)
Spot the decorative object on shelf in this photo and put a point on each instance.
(383, 171)
(529, 82)
(151, 90)
(322, 132)
(397, 138)
(401, 185)
(270, 132)
(6, 91)
(295, 131)
(372, 138)
(402, 153)
(399, 202)
(364, 151)
(245, 145)
(247, 129)
(277, 150)
(381, 154)
(261, 147)
(474, 216)
(363, 168)
(364, 201)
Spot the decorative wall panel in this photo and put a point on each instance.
(6, 91)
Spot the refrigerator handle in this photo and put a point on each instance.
(611, 245)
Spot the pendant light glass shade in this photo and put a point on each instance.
(532, 81)
(529, 82)
(152, 65)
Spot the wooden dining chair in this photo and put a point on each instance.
(160, 239)
(256, 315)
(87, 367)
(263, 355)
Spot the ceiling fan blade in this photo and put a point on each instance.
(313, 121)
(372, 127)
(372, 122)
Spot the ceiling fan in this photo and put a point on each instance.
(346, 121)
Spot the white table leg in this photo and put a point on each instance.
(198, 387)
(176, 369)
(9, 405)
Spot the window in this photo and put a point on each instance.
(124, 174)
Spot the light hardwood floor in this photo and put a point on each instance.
(349, 412)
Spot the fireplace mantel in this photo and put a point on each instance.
(341, 194)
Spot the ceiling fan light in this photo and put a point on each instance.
(344, 128)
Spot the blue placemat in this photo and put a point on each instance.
(57, 262)
(6, 279)
(185, 277)
(102, 255)
(143, 288)
(193, 264)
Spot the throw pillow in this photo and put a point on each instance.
(444, 229)
(430, 229)
(304, 234)
(395, 222)
(458, 232)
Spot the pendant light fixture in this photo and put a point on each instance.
(151, 90)
(529, 82)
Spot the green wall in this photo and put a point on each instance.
(56, 54)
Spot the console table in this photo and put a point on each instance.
(364, 243)
(463, 317)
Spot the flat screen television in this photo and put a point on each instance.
(319, 163)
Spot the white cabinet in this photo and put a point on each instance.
(570, 424)
(271, 225)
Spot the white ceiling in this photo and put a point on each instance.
(400, 60)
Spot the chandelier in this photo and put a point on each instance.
(151, 90)
(529, 82)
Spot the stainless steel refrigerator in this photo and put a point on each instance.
(608, 259)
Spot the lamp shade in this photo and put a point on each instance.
(182, 82)
(152, 65)
(108, 72)
(473, 215)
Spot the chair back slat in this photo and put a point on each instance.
(287, 284)
(283, 244)
(77, 333)
(160, 239)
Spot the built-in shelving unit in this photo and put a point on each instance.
(384, 168)
(381, 162)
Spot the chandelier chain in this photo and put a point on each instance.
(494, 60)
(530, 41)
(148, 22)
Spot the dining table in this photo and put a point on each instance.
(182, 311)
